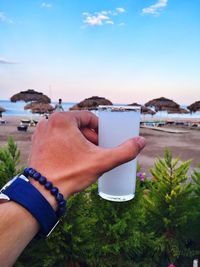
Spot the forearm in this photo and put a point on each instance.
(17, 228)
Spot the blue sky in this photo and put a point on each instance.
(128, 51)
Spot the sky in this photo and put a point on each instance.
(125, 50)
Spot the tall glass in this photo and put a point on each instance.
(116, 125)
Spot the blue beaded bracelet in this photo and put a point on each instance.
(30, 172)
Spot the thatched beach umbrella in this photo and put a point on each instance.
(144, 110)
(194, 107)
(30, 95)
(41, 108)
(179, 111)
(164, 104)
(91, 103)
(2, 110)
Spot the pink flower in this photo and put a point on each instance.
(141, 176)
(171, 265)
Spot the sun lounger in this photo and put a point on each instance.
(33, 123)
(179, 123)
(22, 128)
(169, 122)
(194, 125)
(160, 124)
(25, 122)
(2, 122)
(154, 123)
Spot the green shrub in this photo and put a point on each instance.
(9, 160)
(169, 209)
(158, 227)
(196, 203)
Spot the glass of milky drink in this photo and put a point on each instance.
(116, 125)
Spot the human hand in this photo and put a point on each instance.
(64, 149)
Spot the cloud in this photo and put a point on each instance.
(120, 10)
(96, 20)
(109, 22)
(154, 9)
(85, 14)
(5, 61)
(101, 18)
(4, 18)
(46, 5)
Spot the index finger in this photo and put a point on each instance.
(86, 119)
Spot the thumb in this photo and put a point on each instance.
(123, 153)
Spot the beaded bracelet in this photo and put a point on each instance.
(30, 172)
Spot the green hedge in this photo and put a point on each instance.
(160, 226)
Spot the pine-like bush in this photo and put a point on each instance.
(9, 160)
(168, 211)
(196, 203)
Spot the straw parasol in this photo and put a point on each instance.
(194, 107)
(164, 104)
(38, 107)
(179, 111)
(144, 110)
(91, 103)
(2, 110)
(30, 95)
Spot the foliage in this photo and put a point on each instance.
(169, 209)
(159, 227)
(196, 202)
(9, 160)
(115, 233)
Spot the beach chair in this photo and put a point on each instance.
(22, 128)
(25, 122)
(35, 122)
(194, 125)
(2, 121)
(161, 124)
(170, 122)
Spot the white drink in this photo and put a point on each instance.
(195, 263)
(116, 125)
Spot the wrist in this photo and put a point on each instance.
(45, 193)
(56, 177)
(21, 191)
(46, 207)
(43, 184)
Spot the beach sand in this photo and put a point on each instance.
(185, 145)
(22, 139)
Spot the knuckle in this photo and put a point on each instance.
(61, 119)
(40, 124)
(53, 117)
(56, 119)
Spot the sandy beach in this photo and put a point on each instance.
(184, 144)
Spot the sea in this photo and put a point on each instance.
(17, 109)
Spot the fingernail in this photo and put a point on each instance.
(141, 142)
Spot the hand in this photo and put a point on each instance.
(64, 149)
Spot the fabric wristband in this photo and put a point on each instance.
(25, 194)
